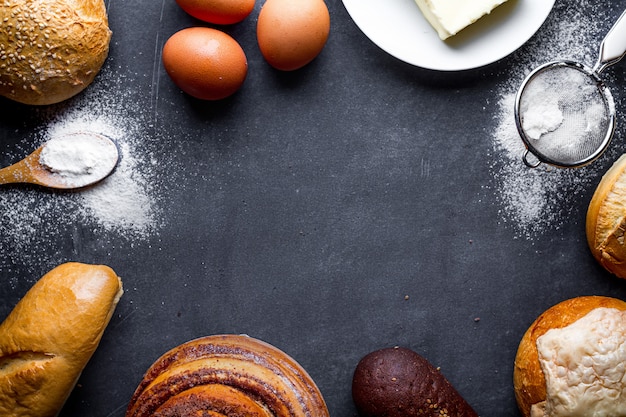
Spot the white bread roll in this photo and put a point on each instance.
(50, 50)
(529, 380)
(51, 334)
(606, 220)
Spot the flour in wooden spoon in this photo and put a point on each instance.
(121, 202)
(40, 228)
(79, 159)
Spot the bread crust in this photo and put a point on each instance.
(606, 220)
(50, 50)
(528, 378)
(51, 334)
(195, 377)
(398, 382)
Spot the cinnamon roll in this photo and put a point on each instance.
(226, 375)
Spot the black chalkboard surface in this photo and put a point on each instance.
(355, 204)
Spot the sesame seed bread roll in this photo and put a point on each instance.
(51, 334)
(50, 50)
(583, 347)
(606, 220)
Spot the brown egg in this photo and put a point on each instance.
(221, 12)
(291, 33)
(205, 63)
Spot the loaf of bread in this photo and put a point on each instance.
(606, 220)
(50, 50)
(51, 334)
(226, 375)
(529, 379)
(398, 382)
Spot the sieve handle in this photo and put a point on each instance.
(528, 162)
(613, 46)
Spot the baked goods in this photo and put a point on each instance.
(51, 50)
(397, 382)
(606, 219)
(449, 17)
(221, 375)
(51, 334)
(583, 338)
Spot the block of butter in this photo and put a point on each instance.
(449, 17)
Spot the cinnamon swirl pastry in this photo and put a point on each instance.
(226, 375)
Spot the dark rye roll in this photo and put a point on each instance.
(226, 375)
(398, 382)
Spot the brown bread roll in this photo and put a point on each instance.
(529, 380)
(50, 50)
(606, 220)
(397, 382)
(51, 334)
(226, 375)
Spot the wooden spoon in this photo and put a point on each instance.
(31, 170)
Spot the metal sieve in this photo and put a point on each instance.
(564, 112)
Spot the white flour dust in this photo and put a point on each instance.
(536, 200)
(79, 159)
(563, 114)
(122, 202)
(37, 225)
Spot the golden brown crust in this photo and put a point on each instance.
(606, 220)
(51, 49)
(261, 379)
(221, 400)
(51, 334)
(528, 379)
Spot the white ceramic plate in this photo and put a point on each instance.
(400, 29)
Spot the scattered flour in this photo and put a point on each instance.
(37, 226)
(123, 201)
(541, 199)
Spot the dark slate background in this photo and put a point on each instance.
(287, 219)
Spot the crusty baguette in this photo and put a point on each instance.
(51, 49)
(51, 334)
(528, 378)
(606, 220)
